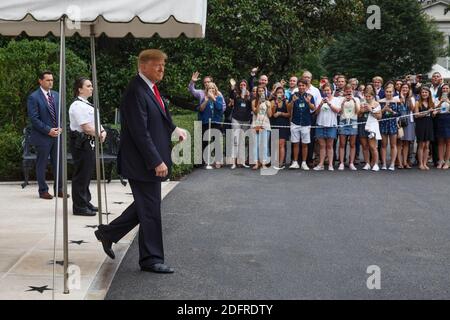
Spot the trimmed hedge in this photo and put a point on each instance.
(11, 149)
(10, 153)
(20, 64)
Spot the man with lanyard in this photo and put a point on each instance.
(315, 93)
(301, 107)
(82, 143)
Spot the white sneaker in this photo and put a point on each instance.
(330, 168)
(367, 167)
(352, 167)
(305, 166)
(245, 166)
(233, 167)
(376, 168)
(384, 167)
(294, 165)
(341, 167)
(319, 168)
(278, 168)
(392, 168)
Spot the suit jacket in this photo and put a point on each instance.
(381, 94)
(145, 135)
(40, 117)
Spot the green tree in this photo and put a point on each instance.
(20, 64)
(408, 43)
(278, 36)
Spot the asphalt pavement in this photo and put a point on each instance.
(300, 235)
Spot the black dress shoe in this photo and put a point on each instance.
(107, 244)
(92, 207)
(158, 268)
(84, 212)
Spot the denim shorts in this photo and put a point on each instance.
(350, 128)
(326, 133)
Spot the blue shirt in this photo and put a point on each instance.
(288, 94)
(213, 111)
(301, 113)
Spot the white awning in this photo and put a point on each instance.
(445, 73)
(115, 18)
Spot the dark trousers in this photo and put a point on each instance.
(83, 168)
(42, 154)
(358, 148)
(309, 158)
(145, 211)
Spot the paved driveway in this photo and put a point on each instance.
(296, 235)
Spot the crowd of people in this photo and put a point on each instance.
(332, 122)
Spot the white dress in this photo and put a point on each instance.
(372, 124)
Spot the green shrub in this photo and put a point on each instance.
(20, 64)
(10, 153)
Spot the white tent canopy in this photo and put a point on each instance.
(115, 18)
(445, 73)
(91, 18)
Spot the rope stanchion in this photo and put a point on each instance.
(96, 124)
(58, 162)
(104, 183)
(339, 125)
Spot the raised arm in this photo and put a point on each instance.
(251, 80)
(195, 92)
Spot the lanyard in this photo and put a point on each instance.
(86, 102)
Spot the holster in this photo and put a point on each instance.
(81, 140)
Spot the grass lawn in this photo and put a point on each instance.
(183, 119)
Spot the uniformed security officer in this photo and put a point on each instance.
(82, 143)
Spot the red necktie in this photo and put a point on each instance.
(158, 97)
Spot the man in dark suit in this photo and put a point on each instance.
(145, 159)
(436, 91)
(43, 105)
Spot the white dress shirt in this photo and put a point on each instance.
(81, 112)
